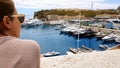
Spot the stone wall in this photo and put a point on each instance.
(101, 59)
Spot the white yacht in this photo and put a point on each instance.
(80, 31)
(69, 29)
(75, 50)
(114, 21)
(96, 25)
(33, 22)
(110, 37)
(104, 47)
(117, 39)
(50, 54)
(69, 53)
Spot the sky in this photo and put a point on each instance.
(28, 7)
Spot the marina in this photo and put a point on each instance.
(60, 34)
(53, 38)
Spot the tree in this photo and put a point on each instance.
(88, 13)
(118, 9)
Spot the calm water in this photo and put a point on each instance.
(52, 40)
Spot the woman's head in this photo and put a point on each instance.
(9, 23)
(6, 8)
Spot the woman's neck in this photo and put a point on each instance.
(4, 34)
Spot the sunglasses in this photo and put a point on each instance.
(21, 17)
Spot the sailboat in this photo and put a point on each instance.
(76, 50)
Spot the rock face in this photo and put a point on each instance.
(101, 59)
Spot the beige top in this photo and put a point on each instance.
(17, 53)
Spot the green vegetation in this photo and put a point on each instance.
(43, 13)
(88, 13)
(118, 9)
(72, 12)
(109, 11)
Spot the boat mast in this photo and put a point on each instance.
(78, 32)
(92, 5)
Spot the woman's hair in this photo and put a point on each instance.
(6, 8)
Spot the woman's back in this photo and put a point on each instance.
(17, 53)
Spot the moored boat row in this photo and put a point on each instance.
(83, 49)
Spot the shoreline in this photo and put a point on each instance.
(100, 59)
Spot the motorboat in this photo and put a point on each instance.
(80, 31)
(75, 50)
(69, 53)
(110, 37)
(96, 25)
(86, 49)
(117, 39)
(69, 29)
(66, 29)
(83, 49)
(32, 22)
(100, 35)
(103, 47)
(57, 27)
(87, 33)
(114, 21)
(50, 54)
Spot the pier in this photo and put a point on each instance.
(104, 30)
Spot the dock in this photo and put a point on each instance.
(104, 30)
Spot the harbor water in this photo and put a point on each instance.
(50, 39)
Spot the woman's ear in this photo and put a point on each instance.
(6, 22)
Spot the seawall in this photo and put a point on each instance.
(100, 59)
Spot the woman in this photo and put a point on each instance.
(14, 52)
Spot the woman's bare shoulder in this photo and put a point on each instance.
(27, 44)
(30, 43)
(29, 50)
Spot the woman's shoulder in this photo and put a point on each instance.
(25, 43)
(28, 43)
(29, 50)
(14, 40)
